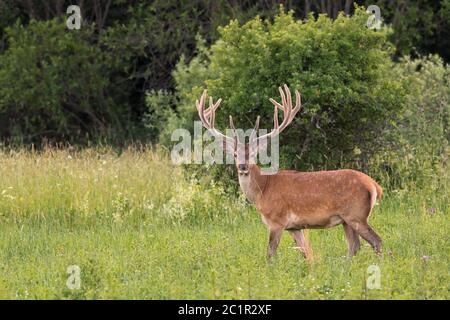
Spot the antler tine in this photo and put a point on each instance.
(212, 110)
(212, 118)
(201, 107)
(207, 117)
(275, 103)
(286, 107)
(212, 107)
(235, 135)
(298, 103)
(287, 103)
(283, 97)
(255, 130)
(275, 118)
(288, 96)
(232, 123)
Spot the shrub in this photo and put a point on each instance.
(343, 70)
(54, 83)
(159, 108)
(416, 148)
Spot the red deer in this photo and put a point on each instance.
(292, 200)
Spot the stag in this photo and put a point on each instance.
(292, 200)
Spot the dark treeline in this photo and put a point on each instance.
(80, 85)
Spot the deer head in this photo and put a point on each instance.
(245, 153)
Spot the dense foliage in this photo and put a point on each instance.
(137, 44)
(342, 69)
(130, 46)
(135, 68)
(415, 147)
(54, 83)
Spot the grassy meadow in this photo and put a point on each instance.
(139, 228)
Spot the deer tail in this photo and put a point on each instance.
(379, 191)
(375, 194)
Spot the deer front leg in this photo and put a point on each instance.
(302, 244)
(274, 240)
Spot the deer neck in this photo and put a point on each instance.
(253, 184)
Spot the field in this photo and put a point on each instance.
(138, 228)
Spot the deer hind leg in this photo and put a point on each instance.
(352, 240)
(367, 233)
(302, 244)
(274, 240)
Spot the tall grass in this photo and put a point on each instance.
(138, 227)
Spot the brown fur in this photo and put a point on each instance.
(292, 200)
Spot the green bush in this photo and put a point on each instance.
(416, 147)
(159, 108)
(342, 69)
(54, 83)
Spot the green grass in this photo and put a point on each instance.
(138, 229)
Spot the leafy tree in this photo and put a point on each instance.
(343, 70)
(416, 147)
(54, 83)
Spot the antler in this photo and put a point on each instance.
(288, 113)
(207, 117)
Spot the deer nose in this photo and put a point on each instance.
(243, 169)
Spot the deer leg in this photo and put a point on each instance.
(368, 234)
(274, 240)
(302, 243)
(352, 240)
